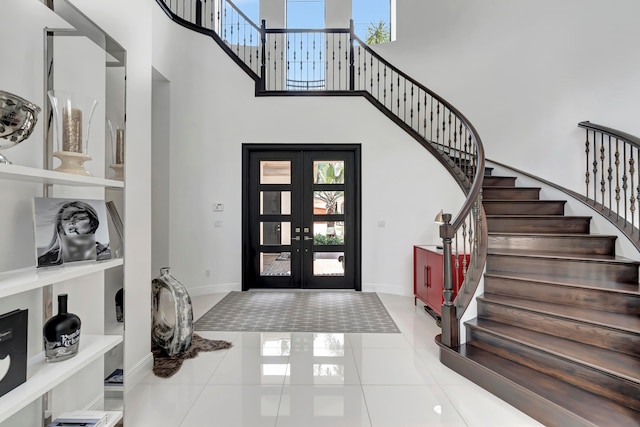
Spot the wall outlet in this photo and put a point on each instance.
(207, 273)
(382, 223)
(217, 224)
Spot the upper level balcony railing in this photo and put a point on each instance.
(334, 61)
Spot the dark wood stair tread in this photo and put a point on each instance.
(522, 200)
(533, 217)
(615, 259)
(591, 409)
(608, 285)
(567, 235)
(622, 322)
(617, 364)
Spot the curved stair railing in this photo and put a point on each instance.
(612, 177)
(295, 62)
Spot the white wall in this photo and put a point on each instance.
(526, 72)
(214, 111)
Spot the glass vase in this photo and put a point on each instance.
(72, 122)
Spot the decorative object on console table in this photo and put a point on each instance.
(116, 135)
(172, 338)
(61, 333)
(428, 276)
(13, 349)
(69, 230)
(18, 118)
(72, 124)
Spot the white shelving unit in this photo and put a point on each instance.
(27, 174)
(63, 383)
(26, 279)
(44, 376)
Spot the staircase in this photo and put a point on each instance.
(558, 327)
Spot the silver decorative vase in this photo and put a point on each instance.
(176, 337)
(18, 118)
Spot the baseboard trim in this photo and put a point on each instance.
(134, 375)
(387, 289)
(366, 287)
(214, 289)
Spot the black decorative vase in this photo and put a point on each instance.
(120, 305)
(61, 333)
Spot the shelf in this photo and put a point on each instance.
(26, 279)
(42, 176)
(43, 376)
(113, 418)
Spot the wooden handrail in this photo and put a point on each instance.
(631, 139)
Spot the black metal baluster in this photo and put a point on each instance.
(263, 48)
(431, 121)
(391, 91)
(594, 163)
(632, 199)
(438, 124)
(411, 111)
(625, 178)
(610, 174)
(425, 116)
(378, 78)
(404, 96)
(617, 162)
(384, 85)
(586, 150)
(602, 158)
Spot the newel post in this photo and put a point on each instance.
(449, 319)
(263, 60)
(352, 72)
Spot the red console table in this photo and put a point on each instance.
(428, 277)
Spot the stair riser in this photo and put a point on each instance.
(537, 207)
(600, 336)
(578, 297)
(570, 245)
(571, 268)
(499, 181)
(516, 193)
(555, 225)
(601, 383)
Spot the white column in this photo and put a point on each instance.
(337, 13)
(274, 12)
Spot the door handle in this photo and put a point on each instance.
(308, 238)
(427, 276)
(296, 238)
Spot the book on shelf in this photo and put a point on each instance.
(115, 378)
(81, 418)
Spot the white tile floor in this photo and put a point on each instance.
(306, 379)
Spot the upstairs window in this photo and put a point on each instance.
(373, 20)
(305, 14)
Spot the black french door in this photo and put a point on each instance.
(301, 222)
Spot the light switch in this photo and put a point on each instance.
(218, 207)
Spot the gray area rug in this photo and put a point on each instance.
(313, 311)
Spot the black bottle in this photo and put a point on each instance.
(61, 333)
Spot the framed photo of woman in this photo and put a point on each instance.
(70, 230)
